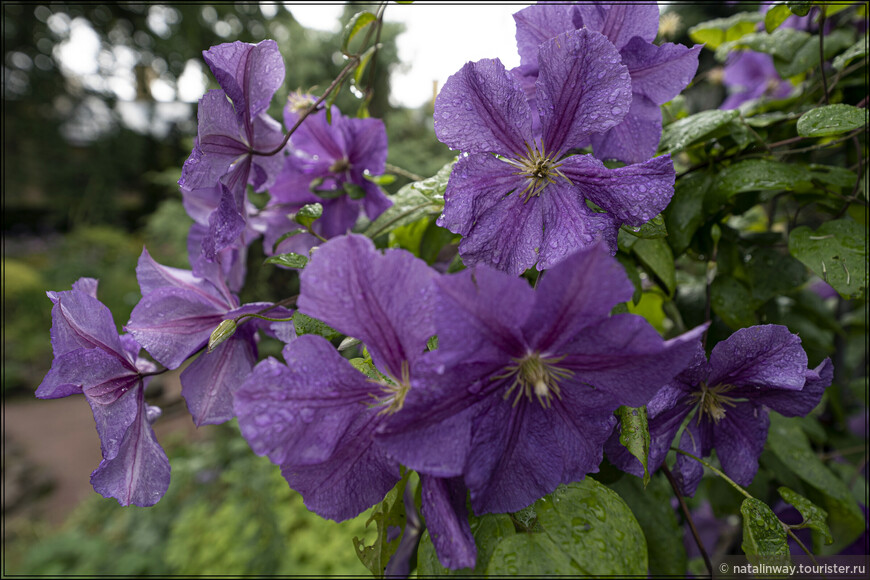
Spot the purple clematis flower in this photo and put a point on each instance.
(519, 396)
(90, 358)
(175, 318)
(316, 415)
(755, 369)
(328, 165)
(235, 138)
(527, 203)
(658, 73)
(751, 75)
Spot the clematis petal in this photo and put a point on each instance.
(739, 440)
(619, 22)
(79, 320)
(583, 88)
(139, 473)
(633, 194)
(697, 439)
(232, 260)
(570, 226)
(447, 520)
(228, 221)
(798, 404)
(367, 144)
(577, 293)
(660, 73)
(268, 136)
(537, 24)
(636, 138)
(297, 413)
(209, 382)
(483, 109)
(382, 299)
(152, 275)
(88, 369)
(218, 143)
(759, 356)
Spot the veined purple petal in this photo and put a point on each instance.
(114, 415)
(759, 356)
(385, 300)
(697, 439)
(152, 275)
(367, 144)
(739, 440)
(619, 22)
(268, 135)
(228, 222)
(660, 73)
(483, 109)
(375, 201)
(570, 226)
(218, 144)
(100, 373)
(796, 404)
(447, 521)
(633, 194)
(209, 382)
(232, 261)
(79, 320)
(636, 138)
(297, 413)
(578, 293)
(583, 88)
(139, 473)
(173, 323)
(537, 24)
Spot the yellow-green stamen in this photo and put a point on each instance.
(711, 401)
(395, 390)
(539, 168)
(535, 374)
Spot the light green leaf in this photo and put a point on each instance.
(814, 516)
(836, 252)
(789, 444)
(654, 228)
(308, 214)
(831, 120)
(764, 539)
(388, 514)
(634, 435)
(357, 23)
(413, 202)
(776, 16)
(289, 260)
(306, 325)
(488, 532)
(657, 258)
(690, 130)
(715, 32)
(363, 63)
(857, 50)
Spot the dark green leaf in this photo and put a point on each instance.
(353, 190)
(764, 539)
(654, 228)
(783, 43)
(857, 50)
(289, 260)
(307, 325)
(530, 555)
(357, 23)
(831, 120)
(770, 272)
(432, 343)
(657, 258)
(688, 131)
(433, 241)
(776, 16)
(832, 175)
(715, 32)
(807, 56)
(761, 175)
(634, 435)
(800, 7)
(836, 252)
(651, 505)
(814, 516)
(388, 514)
(308, 214)
(631, 271)
(684, 215)
(488, 531)
(732, 302)
(789, 443)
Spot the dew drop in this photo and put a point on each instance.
(616, 110)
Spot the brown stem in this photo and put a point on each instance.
(689, 519)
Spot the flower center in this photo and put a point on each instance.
(340, 165)
(539, 168)
(395, 390)
(711, 401)
(535, 374)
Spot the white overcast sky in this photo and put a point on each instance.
(438, 39)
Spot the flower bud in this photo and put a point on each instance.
(224, 330)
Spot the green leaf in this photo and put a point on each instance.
(634, 435)
(289, 234)
(764, 539)
(357, 23)
(857, 50)
(651, 506)
(790, 445)
(433, 241)
(657, 258)
(308, 214)
(761, 175)
(654, 228)
(771, 272)
(776, 16)
(432, 343)
(832, 175)
(807, 56)
(732, 302)
(836, 252)
(715, 32)
(289, 260)
(831, 120)
(306, 325)
(631, 271)
(488, 532)
(585, 529)
(684, 215)
(793, 51)
(390, 513)
(366, 367)
(814, 516)
(690, 130)
(413, 202)
(363, 63)
(385, 179)
(799, 7)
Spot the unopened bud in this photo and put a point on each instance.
(225, 330)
